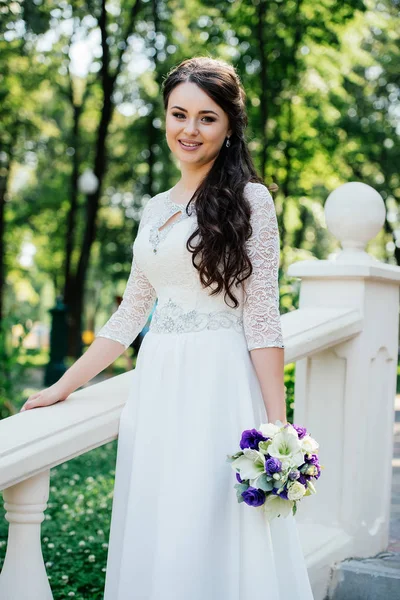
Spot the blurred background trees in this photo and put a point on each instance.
(82, 144)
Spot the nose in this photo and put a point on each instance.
(191, 127)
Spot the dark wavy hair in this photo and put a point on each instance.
(223, 212)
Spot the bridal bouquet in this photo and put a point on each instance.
(275, 467)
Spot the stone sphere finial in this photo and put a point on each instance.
(354, 213)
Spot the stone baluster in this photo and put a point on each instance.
(23, 576)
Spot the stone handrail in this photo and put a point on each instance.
(39, 439)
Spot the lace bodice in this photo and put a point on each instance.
(162, 269)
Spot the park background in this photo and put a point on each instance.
(82, 149)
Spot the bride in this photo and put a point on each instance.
(210, 366)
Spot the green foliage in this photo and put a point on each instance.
(12, 367)
(34, 358)
(289, 377)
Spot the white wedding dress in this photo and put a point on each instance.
(177, 529)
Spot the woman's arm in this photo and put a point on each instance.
(114, 337)
(261, 317)
(100, 354)
(269, 366)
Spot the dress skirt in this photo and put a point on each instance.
(177, 529)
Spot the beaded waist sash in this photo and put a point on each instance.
(171, 318)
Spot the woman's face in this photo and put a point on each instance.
(196, 127)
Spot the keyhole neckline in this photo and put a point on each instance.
(172, 203)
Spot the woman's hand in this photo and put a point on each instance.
(46, 397)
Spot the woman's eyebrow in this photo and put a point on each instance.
(200, 111)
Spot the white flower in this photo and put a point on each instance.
(291, 429)
(275, 506)
(309, 445)
(250, 465)
(287, 448)
(287, 463)
(296, 491)
(269, 429)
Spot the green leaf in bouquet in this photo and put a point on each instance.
(294, 509)
(232, 457)
(241, 487)
(264, 483)
(284, 477)
(310, 486)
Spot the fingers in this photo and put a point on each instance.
(43, 398)
(26, 406)
(32, 402)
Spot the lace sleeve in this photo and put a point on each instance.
(261, 317)
(137, 301)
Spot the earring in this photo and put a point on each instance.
(228, 143)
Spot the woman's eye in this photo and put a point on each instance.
(209, 119)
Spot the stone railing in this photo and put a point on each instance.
(344, 341)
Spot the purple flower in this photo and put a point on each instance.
(239, 478)
(314, 460)
(301, 431)
(303, 479)
(253, 496)
(273, 465)
(294, 475)
(282, 494)
(251, 438)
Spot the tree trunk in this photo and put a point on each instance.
(69, 280)
(75, 286)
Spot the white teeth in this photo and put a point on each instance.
(190, 145)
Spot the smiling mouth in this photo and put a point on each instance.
(190, 144)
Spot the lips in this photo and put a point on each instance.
(189, 144)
